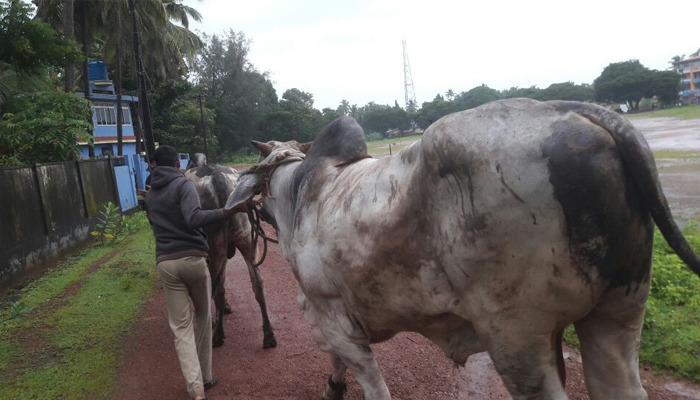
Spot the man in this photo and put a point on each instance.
(176, 217)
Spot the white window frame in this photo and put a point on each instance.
(106, 115)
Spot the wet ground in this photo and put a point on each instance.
(676, 144)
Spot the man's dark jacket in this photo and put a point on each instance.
(176, 215)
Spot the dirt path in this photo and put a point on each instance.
(297, 369)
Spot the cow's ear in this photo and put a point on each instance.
(265, 149)
(305, 147)
(246, 189)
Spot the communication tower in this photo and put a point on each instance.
(409, 90)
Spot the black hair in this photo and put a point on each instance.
(166, 156)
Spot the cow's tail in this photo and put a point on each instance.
(640, 165)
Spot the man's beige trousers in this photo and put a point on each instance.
(184, 279)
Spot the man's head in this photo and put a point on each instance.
(166, 156)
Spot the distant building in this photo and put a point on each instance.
(104, 114)
(690, 79)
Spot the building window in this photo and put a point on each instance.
(106, 114)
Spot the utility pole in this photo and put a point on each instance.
(143, 94)
(204, 132)
(409, 90)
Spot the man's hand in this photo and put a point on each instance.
(228, 212)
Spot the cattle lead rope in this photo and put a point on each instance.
(257, 230)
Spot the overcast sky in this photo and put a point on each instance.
(352, 49)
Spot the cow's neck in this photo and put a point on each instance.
(281, 204)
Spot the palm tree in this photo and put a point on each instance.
(171, 47)
(697, 53)
(450, 94)
(69, 32)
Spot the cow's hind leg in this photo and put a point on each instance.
(528, 362)
(610, 337)
(337, 385)
(335, 332)
(269, 340)
(220, 303)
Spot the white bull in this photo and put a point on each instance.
(501, 227)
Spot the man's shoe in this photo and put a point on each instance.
(213, 382)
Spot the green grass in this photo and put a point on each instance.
(241, 160)
(671, 335)
(379, 148)
(685, 112)
(682, 154)
(66, 348)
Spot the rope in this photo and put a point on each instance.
(257, 230)
(265, 172)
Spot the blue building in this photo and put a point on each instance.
(104, 114)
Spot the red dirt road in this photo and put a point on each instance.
(298, 370)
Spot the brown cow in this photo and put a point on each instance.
(214, 183)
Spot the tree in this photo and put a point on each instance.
(30, 51)
(69, 33)
(666, 85)
(298, 99)
(177, 118)
(697, 53)
(676, 59)
(44, 127)
(623, 82)
(567, 91)
(343, 108)
(533, 92)
(450, 94)
(475, 97)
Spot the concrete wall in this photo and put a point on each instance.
(47, 210)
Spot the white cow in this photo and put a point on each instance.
(501, 227)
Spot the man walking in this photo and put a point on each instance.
(176, 217)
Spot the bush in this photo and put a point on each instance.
(44, 127)
(372, 136)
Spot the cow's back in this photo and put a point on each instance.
(510, 205)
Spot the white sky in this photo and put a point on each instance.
(352, 49)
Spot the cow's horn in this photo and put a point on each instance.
(265, 149)
(305, 147)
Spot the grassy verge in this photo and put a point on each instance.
(379, 148)
(685, 112)
(679, 154)
(671, 335)
(66, 347)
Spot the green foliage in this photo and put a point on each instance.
(684, 112)
(671, 334)
(18, 310)
(630, 81)
(44, 127)
(29, 45)
(178, 120)
(372, 136)
(77, 337)
(113, 227)
(30, 50)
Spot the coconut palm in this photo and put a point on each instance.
(697, 53)
(104, 23)
(68, 33)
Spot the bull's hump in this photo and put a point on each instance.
(342, 140)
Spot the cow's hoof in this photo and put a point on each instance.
(227, 309)
(269, 342)
(334, 391)
(217, 342)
